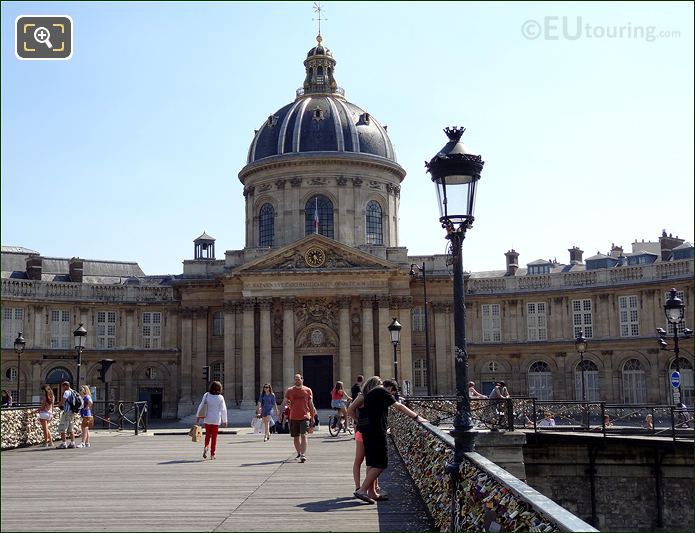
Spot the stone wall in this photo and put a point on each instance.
(625, 479)
(20, 427)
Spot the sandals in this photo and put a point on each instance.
(363, 497)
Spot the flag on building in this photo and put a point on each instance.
(315, 222)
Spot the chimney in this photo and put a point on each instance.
(575, 255)
(616, 251)
(668, 243)
(34, 266)
(512, 262)
(76, 268)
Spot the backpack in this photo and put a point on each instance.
(75, 402)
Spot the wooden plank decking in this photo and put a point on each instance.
(161, 483)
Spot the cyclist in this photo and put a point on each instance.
(339, 401)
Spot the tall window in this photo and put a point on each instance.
(629, 316)
(420, 376)
(218, 324)
(266, 226)
(12, 324)
(61, 335)
(540, 381)
(582, 318)
(319, 216)
(106, 329)
(151, 330)
(418, 319)
(590, 381)
(217, 372)
(536, 322)
(374, 229)
(492, 329)
(686, 370)
(634, 383)
(681, 325)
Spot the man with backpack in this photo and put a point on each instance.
(71, 402)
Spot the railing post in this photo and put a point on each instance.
(603, 417)
(137, 417)
(510, 414)
(535, 427)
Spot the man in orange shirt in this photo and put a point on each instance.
(302, 411)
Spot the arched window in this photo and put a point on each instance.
(634, 384)
(319, 216)
(58, 375)
(266, 226)
(217, 372)
(686, 370)
(590, 381)
(418, 319)
(540, 381)
(374, 225)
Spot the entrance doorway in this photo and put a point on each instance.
(153, 397)
(318, 376)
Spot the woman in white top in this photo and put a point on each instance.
(216, 414)
(548, 421)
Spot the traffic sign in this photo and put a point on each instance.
(675, 379)
(676, 398)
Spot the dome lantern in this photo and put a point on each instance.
(320, 66)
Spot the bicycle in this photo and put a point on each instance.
(335, 424)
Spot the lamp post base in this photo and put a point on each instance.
(464, 441)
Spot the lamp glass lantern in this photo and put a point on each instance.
(19, 344)
(80, 335)
(674, 309)
(580, 343)
(395, 331)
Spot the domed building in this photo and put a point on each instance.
(321, 276)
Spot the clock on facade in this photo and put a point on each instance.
(315, 257)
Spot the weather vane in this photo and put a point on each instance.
(319, 11)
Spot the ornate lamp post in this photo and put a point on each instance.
(422, 269)
(395, 330)
(580, 342)
(674, 309)
(455, 171)
(80, 335)
(19, 344)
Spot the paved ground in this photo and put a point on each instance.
(159, 482)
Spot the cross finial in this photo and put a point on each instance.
(318, 10)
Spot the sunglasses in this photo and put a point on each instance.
(266, 387)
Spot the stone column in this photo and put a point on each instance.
(39, 330)
(265, 363)
(229, 351)
(200, 354)
(367, 337)
(287, 343)
(441, 334)
(172, 318)
(405, 357)
(129, 387)
(129, 337)
(385, 346)
(185, 401)
(248, 356)
(344, 369)
(34, 387)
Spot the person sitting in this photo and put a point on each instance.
(607, 421)
(649, 422)
(548, 420)
(473, 394)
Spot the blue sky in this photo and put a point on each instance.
(131, 149)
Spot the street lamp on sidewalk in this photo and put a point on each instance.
(580, 342)
(395, 330)
(80, 335)
(422, 269)
(674, 309)
(19, 344)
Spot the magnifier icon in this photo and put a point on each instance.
(42, 35)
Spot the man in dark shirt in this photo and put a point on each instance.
(357, 387)
(374, 408)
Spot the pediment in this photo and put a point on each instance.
(315, 253)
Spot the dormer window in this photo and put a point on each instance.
(272, 120)
(538, 269)
(364, 118)
(318, 114)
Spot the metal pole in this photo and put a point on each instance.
(19, 379)
(427, 333)
(676, 351)
(395, 361)
(581, 362)
(463, 435)
(79, 364)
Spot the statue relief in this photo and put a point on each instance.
(316, 311)
(316, 336)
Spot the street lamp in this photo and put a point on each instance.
(19, 344)
(395, 330)
(580, 343)
(80, 335)
(674, 309)
(422, 269)
(455, 171)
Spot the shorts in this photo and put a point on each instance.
(87, 422)
(65, 424)
(298, 427)
(45, 415)
(375, 450)
(338, 404)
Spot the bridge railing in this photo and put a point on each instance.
(521, 412)
(486, 497)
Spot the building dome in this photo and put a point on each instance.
(320, 119)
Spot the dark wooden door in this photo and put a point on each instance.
(318, 376)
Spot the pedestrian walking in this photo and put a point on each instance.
(372, 424)
(67, 416)
(46, 414)
(359, 442)
(86, 414)
(215, 409)
(302, 412)
(357, 386)
(267, 405)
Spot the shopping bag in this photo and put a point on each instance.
(196, 433)
(257, 425)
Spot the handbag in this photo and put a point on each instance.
(203, 409)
